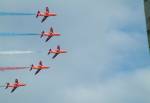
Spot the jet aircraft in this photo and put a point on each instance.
(49, 34)
(56, 51)
(38, 67)
(15, 85)
(45, 14)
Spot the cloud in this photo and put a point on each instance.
(131, 88)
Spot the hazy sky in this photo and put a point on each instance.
(107, 59)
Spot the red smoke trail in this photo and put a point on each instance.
(12, 68)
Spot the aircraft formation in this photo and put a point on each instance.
(40, 65)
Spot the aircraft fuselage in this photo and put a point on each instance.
(57, 51)
(46, 14)
(40, 67)
(16, 85)
(51, 34)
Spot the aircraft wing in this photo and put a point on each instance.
(37, 71)
(55, 55)
(44, 18)
(13, 89)
(48, 38)
(147, 14)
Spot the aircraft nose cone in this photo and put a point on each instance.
(24, 84)
(59, 34)
(55, 14)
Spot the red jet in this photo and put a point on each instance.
(39, 67)
(49, 34)
(56, 51)
(15, 85)
(45, 14)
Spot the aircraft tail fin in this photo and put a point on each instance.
(49, 51)
(37, 15)
(47, 9)
(7, 85)
(42, 33)
(58, 47)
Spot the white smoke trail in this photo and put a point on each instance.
(15, 52)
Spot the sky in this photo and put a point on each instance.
(107, 59)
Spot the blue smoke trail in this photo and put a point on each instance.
(15, 14)
(17, 34)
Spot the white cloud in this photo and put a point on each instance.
(131, 88)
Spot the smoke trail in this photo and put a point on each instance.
(17, 34)
(12, 68)
(15, 52)
(2, 86)
(15, 14)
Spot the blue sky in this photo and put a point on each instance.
(107, 59)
